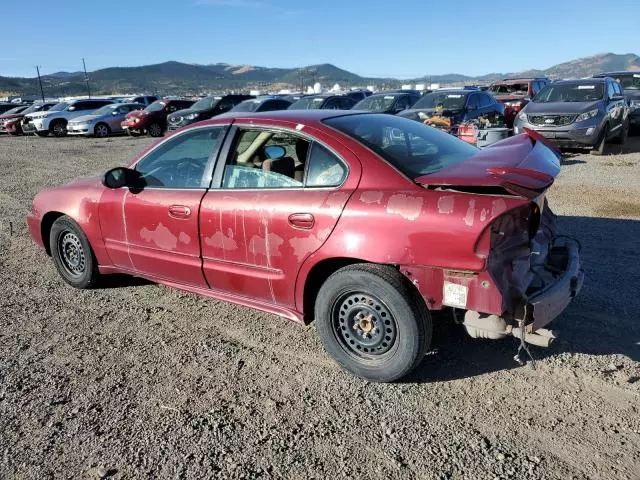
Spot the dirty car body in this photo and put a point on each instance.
(327, 216)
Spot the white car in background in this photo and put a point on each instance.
(55, 120)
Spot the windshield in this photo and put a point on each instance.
(106, 110)
(308, 103)
(205, 103)
(629, 82)
(411, 147)
(247, 106)
(570, 92)
(448, 100)
(58, 107)
(15, 110)
(156, 106)
(376, 103)
(511, 89)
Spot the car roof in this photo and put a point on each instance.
(581, 81)
(616, 74)
(304, 117)
(519, 79)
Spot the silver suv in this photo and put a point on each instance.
(55, 119)
(578, 114)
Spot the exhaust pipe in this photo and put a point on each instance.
(494, 327)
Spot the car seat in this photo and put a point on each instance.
(284, 166)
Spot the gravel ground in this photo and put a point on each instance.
(137, 380)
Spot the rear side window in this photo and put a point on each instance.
(323, 168)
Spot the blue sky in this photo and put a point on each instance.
(369, 37)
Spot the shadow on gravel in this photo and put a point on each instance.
(122, 281)
(603, 319)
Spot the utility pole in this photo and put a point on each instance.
(86, 77)
(40, 82)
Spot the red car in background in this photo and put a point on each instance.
(153, 119)
(11, 121)
(364, 222)
(515, 93)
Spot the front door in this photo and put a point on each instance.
(269, 214)
(153, 230)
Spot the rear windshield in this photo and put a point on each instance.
(376, 103)
(412, 147)
(511, 89)
(448, 100)
(308, 103)
(570, 92)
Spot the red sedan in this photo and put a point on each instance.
(364, 222)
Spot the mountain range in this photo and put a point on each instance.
(182, 78)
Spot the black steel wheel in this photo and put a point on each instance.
(72, 254)
(155, 130)
(373, 322)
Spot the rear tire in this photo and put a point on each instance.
(72, 254)
(155, 130)
(58, 128)
(599, 148)
(101, 130)
(373, 322)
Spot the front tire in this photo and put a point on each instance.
(373, 322)
(599, 148)
(624, 134)
(72, 254)
(59, 128)
(155, 130)
(101, 130)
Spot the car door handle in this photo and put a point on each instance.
(179, 211)
(302, 220)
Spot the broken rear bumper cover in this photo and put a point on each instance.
(541, 306)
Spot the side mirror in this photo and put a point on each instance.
(273, 152)
(117, 177)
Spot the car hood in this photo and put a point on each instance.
(524, 165)
(9, 117)
(185, 111)
(561, 108)
(86, 118)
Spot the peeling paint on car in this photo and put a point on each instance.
(161, 236)
(219, 240)
(369, 197)
(406, 206)
(446, 204)
(184, 238)
(471, 211)
(269, 245)
(483, 214)
(498, 206)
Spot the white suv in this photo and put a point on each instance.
(56, 118)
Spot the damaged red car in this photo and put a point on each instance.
(366, 223)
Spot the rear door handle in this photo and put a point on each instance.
(302, 220)
(179, 211)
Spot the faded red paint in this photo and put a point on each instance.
(239, 245)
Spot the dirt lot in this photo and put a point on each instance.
(140, 381)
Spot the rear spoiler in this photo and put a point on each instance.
(537, 137)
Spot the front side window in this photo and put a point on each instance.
(411, 147)
(611, 92)
(181, 161)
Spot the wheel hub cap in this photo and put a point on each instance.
(72, 253)
(363, 324)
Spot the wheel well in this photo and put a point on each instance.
(45, 228)
(317, 276)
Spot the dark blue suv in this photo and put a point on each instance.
(456, 106)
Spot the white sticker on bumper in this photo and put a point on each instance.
(455, 295)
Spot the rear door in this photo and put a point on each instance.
(614, 108)
(260, 221)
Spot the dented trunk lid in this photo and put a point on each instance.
(524, 165)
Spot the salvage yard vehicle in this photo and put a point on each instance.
(584, 113)
(323, 101)
(204, 109)
(515, 93)
(322, 215)
(262, 104)
(153, 119)
(12, 123)
(55, 119)
(15, 112)
(103, 122)
(387, 102)
(630, 82)
(143, 99)
(448, 108)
